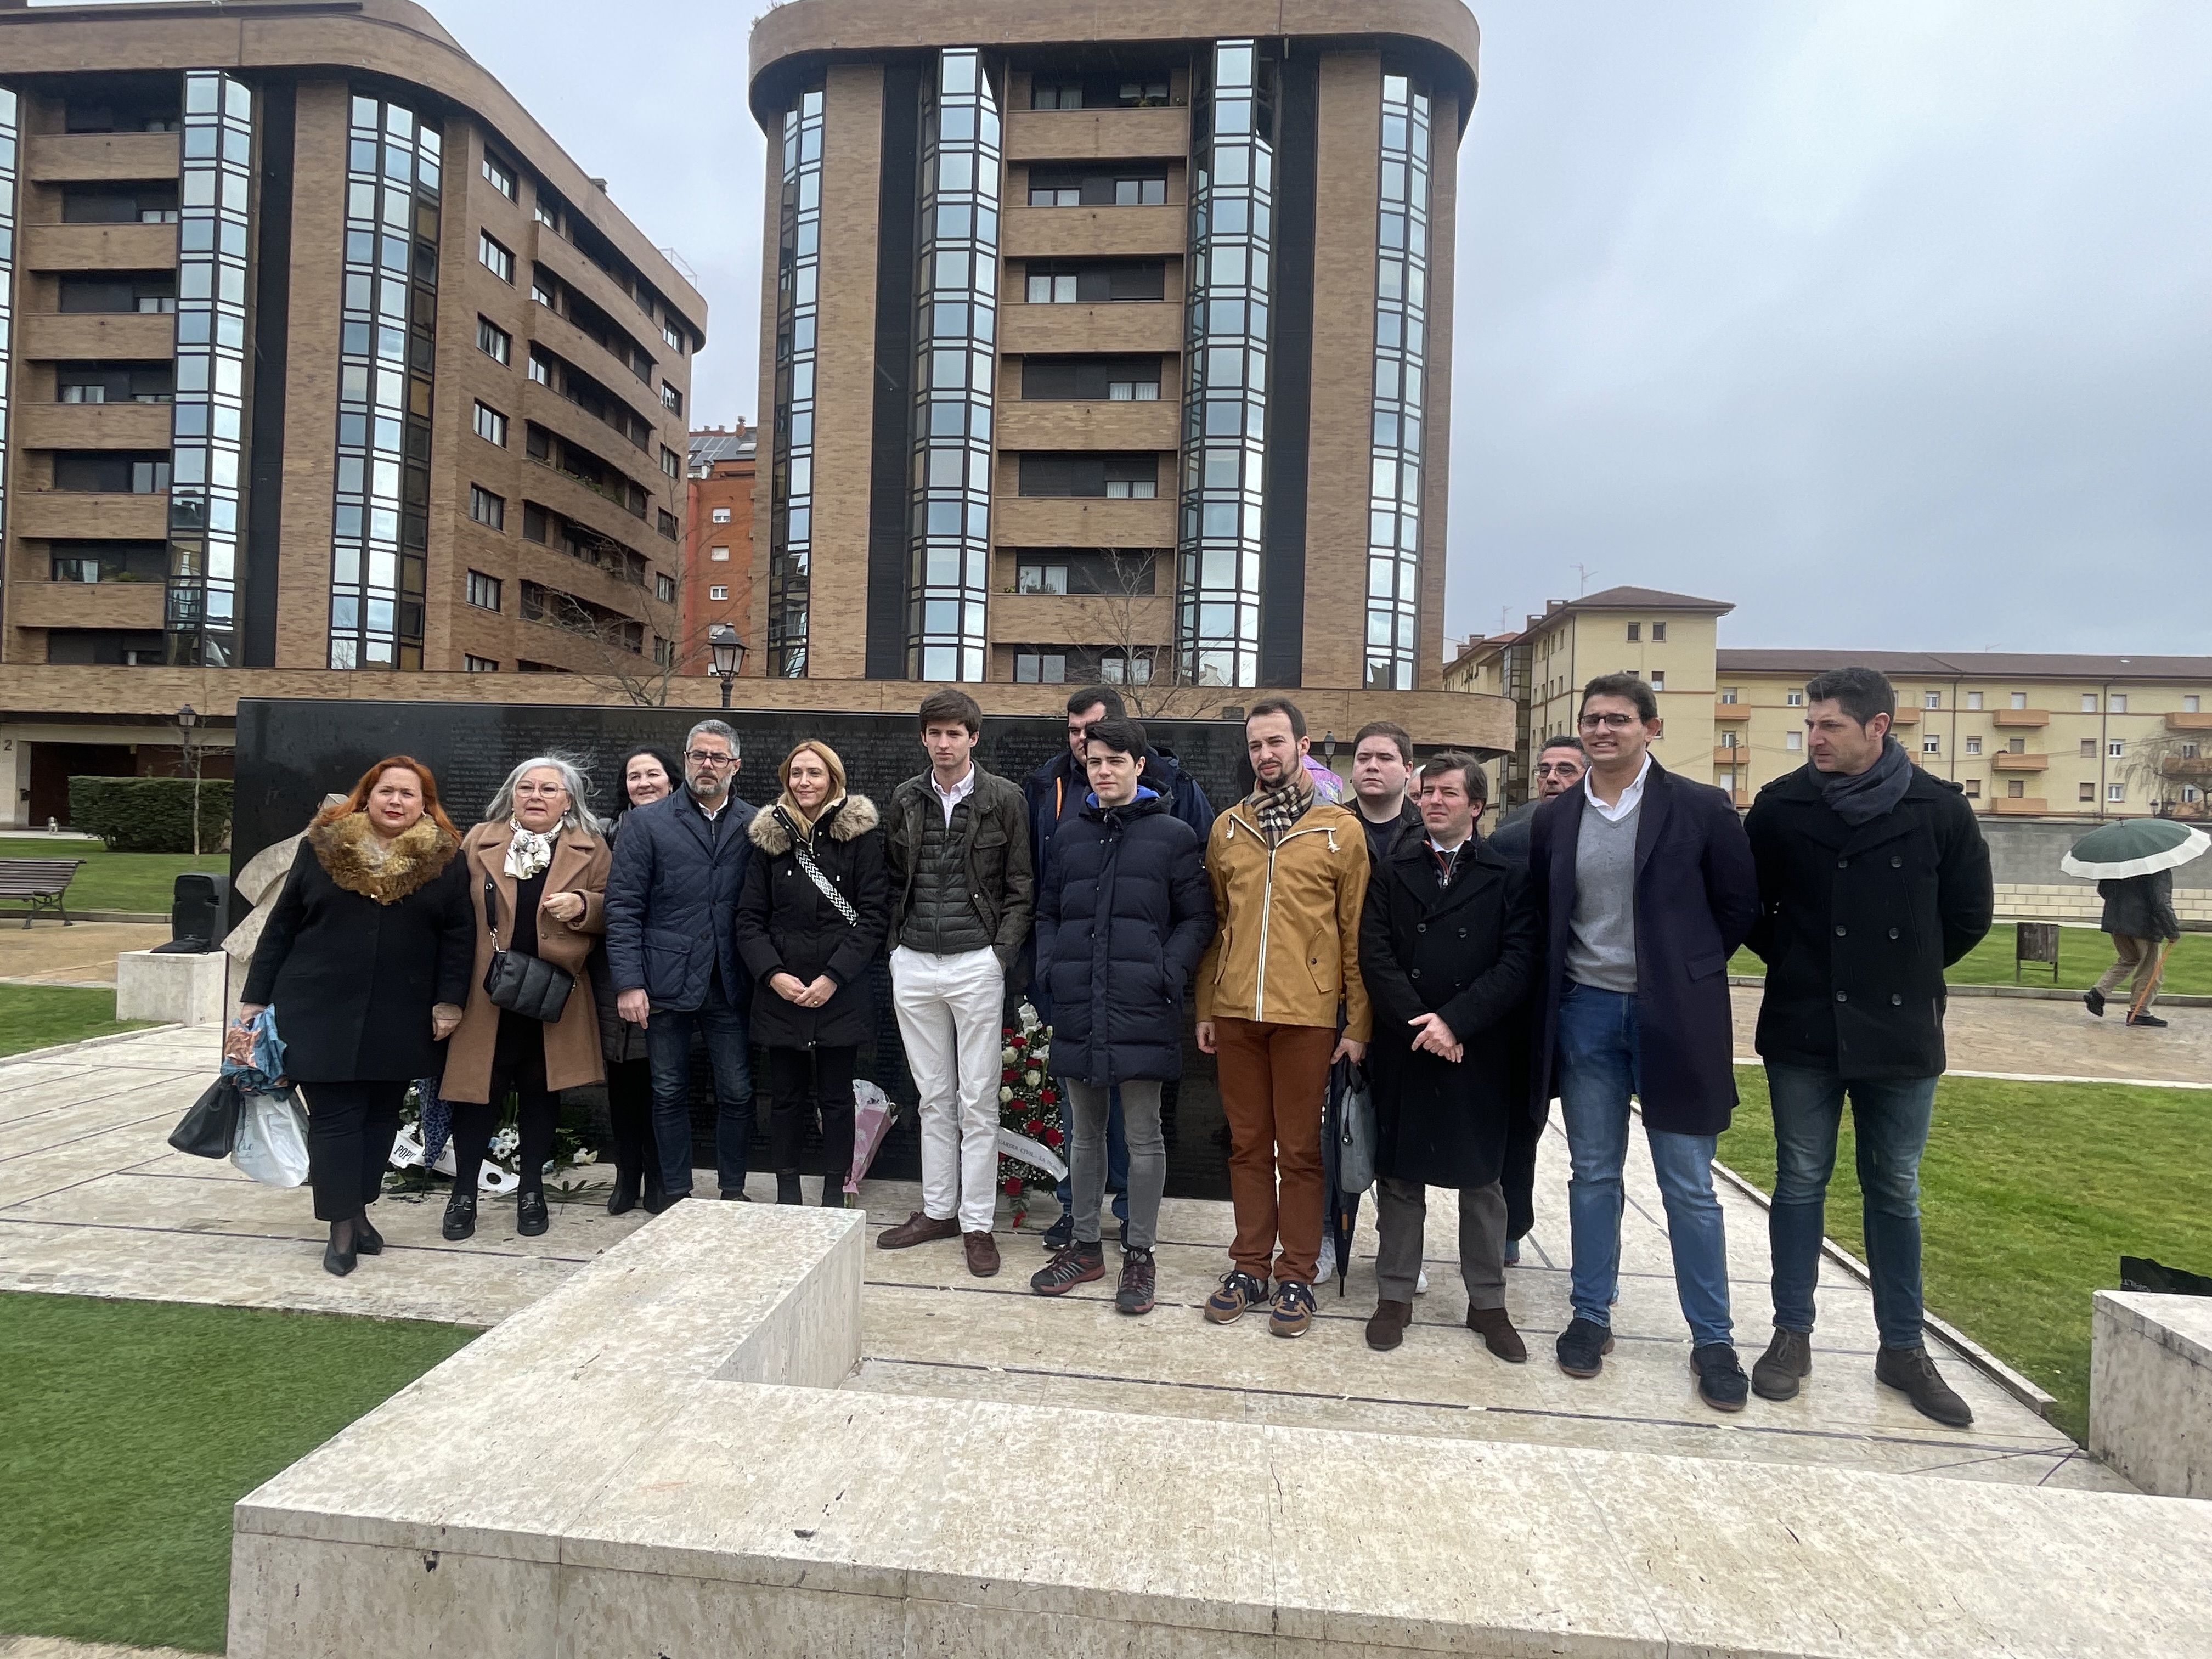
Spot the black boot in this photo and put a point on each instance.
(623, 1199)
(833, 1193)
(786, 1187)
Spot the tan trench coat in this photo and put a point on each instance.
(572, 1042)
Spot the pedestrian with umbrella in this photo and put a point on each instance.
(2133, 865)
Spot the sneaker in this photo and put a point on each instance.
(1326, 1268)
(1912, 1371)
(1071, 1264)
(920, 1228)
(1293, 1312)
(1061, 1234)
(1787, 1358)
(2095, 1001)
(1134, 1293)
(1495, 1326)
(1386, 1326)
(1583, 1346)
(460, 1217)
(1721, 1381)
(1512, 1252)
(2151, 1021)
(1237, 1291)
(529, 1215)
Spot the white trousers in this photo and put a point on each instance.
(949, 1013)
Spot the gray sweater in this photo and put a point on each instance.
(1601, 940)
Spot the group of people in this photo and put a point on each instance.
(1580, 951)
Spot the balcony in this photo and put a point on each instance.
(84, 604)
(1125, 327)
(1905, 717)
(2004, 761)
(1075, 233)
(88, 515)
(2020, 807)
(1089, 134)
(567, 261)
(1738, 755)
(2183, 720)
(99, 247)
(586, 431)
(2019, 717)
(1731, 711)
(125, 337)
(1055, 425)
(57, 158)
(1081, 619)
(1081, 521)
(2185, 766)
(566, 340)
(93, 426)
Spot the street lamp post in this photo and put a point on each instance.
(727, 654)
(187, 719)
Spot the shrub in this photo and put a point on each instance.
(149, 815)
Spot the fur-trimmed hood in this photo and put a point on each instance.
(844, 820)
(352, 856)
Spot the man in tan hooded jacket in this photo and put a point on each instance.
(1289, 872)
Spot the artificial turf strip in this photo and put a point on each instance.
(2030, 1194)
(130, 1429)
(43, 1016)
(2083, 955)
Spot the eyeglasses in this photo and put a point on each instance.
(1564, 768)
(708, 757)
(1606, 722)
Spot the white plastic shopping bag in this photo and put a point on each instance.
(272, 1140)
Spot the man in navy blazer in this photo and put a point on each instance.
(1644, 886)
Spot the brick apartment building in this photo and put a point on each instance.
(717, 578)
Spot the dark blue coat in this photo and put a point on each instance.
(1697, 900)
(672, 899)
(1123, 915)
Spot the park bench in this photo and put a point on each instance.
(39, 882)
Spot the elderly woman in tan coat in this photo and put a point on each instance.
(540, 859)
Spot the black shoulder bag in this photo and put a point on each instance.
(526, 985)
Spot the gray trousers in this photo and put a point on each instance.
(1148, 1158)
(1401, 1209)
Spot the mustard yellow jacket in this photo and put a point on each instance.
(1287, 950)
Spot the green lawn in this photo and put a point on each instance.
(140, 882)
(2030, 1194)
(132, 1427)
(2083, 954)
(42, 1016)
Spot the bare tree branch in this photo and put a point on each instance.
(2166, 767)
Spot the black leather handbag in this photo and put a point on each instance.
(522, 984)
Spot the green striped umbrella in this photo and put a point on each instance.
(2134, 847)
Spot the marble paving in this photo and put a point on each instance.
(93, 1202)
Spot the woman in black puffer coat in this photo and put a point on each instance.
(811, 922)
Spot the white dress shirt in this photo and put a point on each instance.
(948, 798)
(1629, 797)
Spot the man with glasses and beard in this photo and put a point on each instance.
(671, 899)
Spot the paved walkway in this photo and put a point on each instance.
(83, 953)
(93, 1201)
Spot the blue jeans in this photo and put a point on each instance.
(1891, 1120)
(668, 1049)
(1599, 1069)
(1117, 1161)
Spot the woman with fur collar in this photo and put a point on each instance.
(539, 859)
(365, 958)
(811, 923)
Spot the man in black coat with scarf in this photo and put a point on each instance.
(1447, 948)
(1873, 879)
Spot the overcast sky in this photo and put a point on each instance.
(1890, 321)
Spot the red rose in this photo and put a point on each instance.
(1033, 1127)
(1007, 1075)
(1052, 1136)
(1013, 1186)
(1050, 1096)
(1021, 1042)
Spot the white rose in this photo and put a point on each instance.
(1005, 1095)
(1007, 1056)
(1032, 1078)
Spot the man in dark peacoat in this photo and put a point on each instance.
(672, 950)
(1447, 949)
(2139, 916)
(1644, 887)
(1873, 879)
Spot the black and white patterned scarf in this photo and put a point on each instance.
(1276, 811)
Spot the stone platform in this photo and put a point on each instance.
(2150, 1389)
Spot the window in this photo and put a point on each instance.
(1071, 187)
(2192, 704)
(1133, 392)
(1136, 669)
(535, 525)
(1973, 745)
(664, 651)
(487, 508)
(2015, 745)
(479, 665)
(1729, 738)
(718, 554)
(541, 293)
(2189, 751)
(2016, 788)
(1793, 741)
(2116, 749)
(483, 590)
(1931, 700)
(1658, 681)
(721, 515)
(1085, 474)
(1055, 95)
(1041, 579)
(1728, 693)
(2020, 700)
(1040, 667)
(491, 425)
(2115, 792)
(670, 462)
(108, 472)
(1930, 744)
(670, 399)
(1973, 788)
(1635, 632)
(718, 592)
(2088, 702)
(501, 175)
(1658, 633)
(494, 342)
(2088, 749)
(114, 383)
(1973, 700)
(1795, 697)
(1052, 288)
(549, 210)
(1095, 281)
(494, 258)
(664, 587)
(2087, 791)
(666, 524)
(2191, 794)
(540, 370)
(2119, 703)
(1091, 379)
(673, 337)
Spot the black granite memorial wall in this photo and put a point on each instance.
(291, 753)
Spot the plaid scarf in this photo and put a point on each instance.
(1276, 810)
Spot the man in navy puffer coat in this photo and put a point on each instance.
(1124, 915)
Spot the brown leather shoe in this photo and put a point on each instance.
(1386, 1326)
(982, 1253)
(920, 1228)
(1495, 1326)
